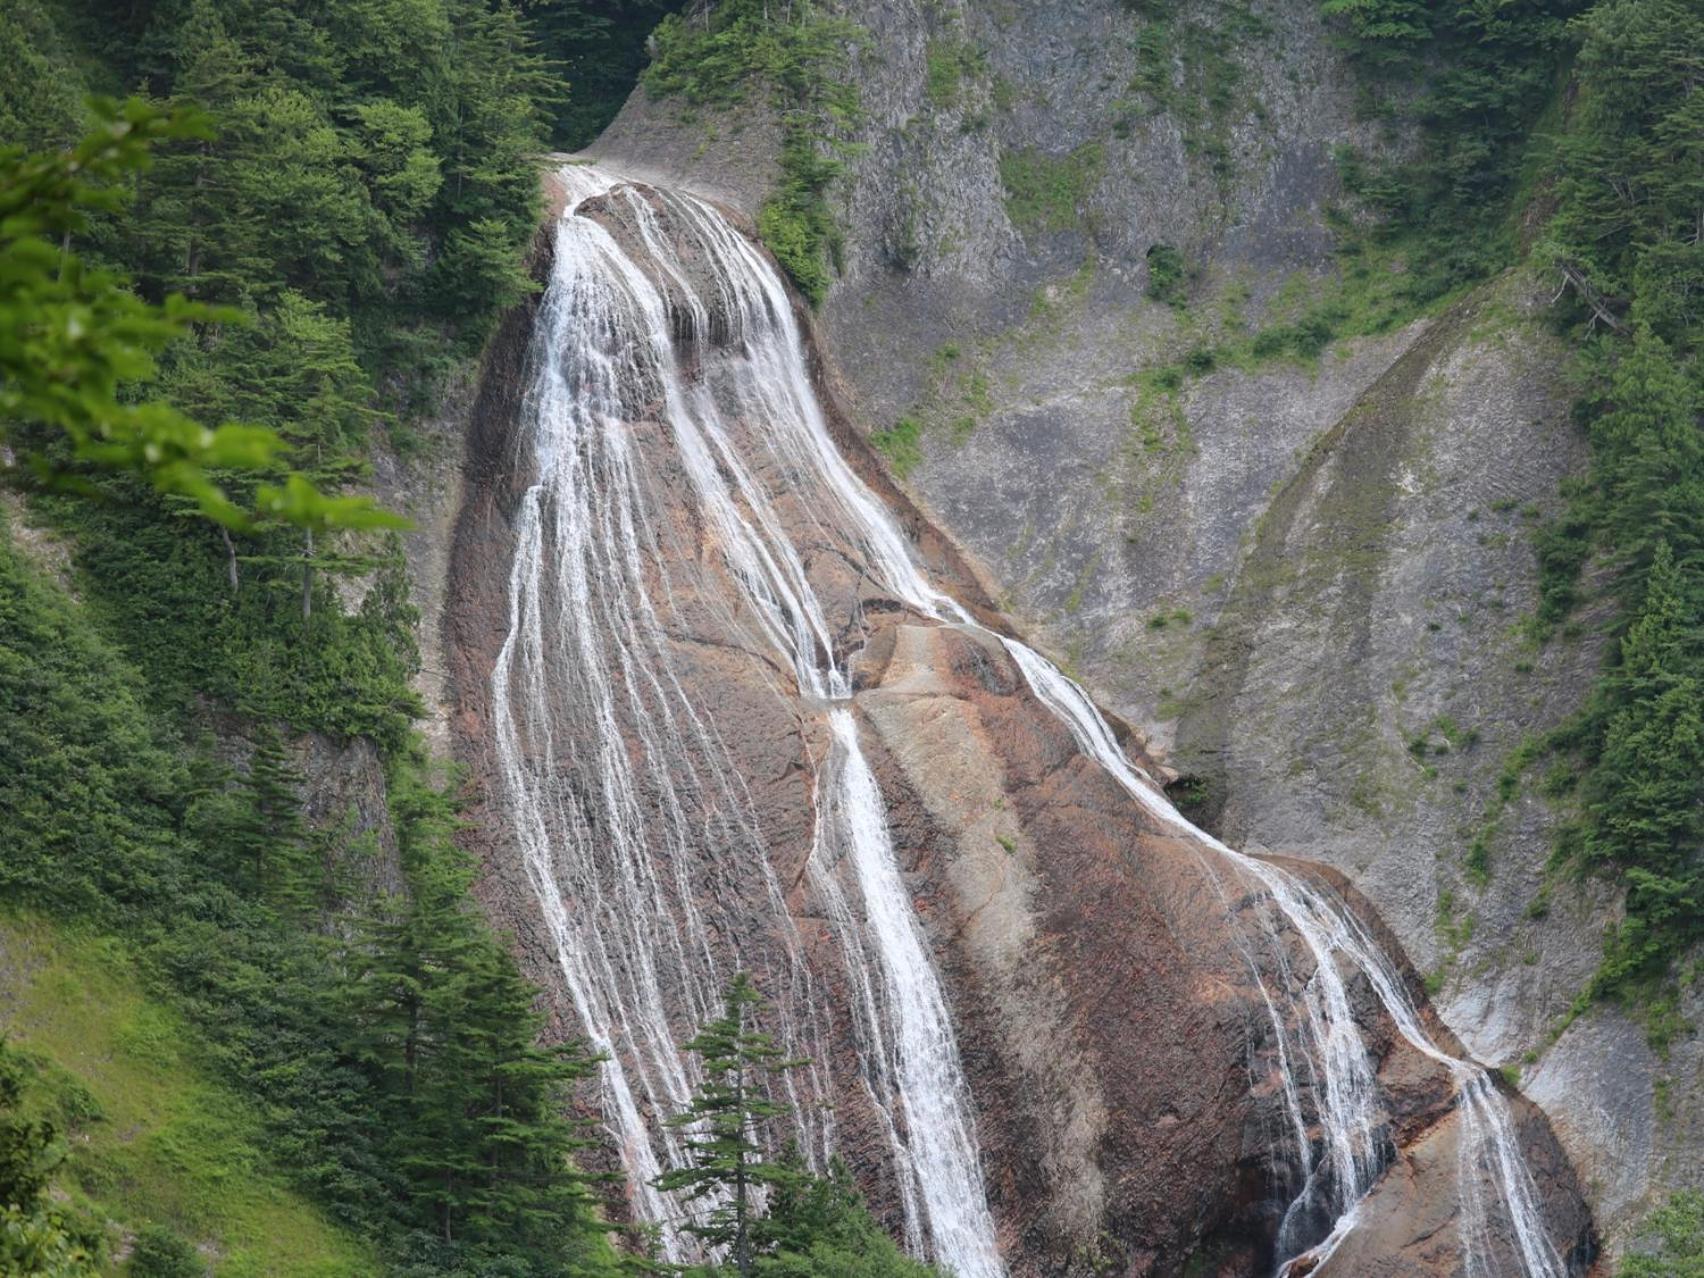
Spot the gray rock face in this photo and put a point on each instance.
(1302, 582)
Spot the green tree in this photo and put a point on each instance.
(447, 1026)
(1644, 802)
(818, 1227)
(269, 836)
(73, 339)
(725, 1125)
(1631, 168)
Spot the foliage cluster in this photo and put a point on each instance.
(73, 338)
(1679, 1228)
(599, 48)
(308, 266)
(1462, 86)
(795, 51)
(901, 444)
(1047, 192)
(1186, 69)
(391, 1039)
(1624, 239)
(946, 65)
(36, 1235)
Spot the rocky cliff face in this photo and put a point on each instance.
(1135, 1019)
(1300, 579)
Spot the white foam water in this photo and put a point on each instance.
(604, 758)
(586, 675)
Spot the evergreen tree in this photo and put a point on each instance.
(818, 1227)
(725, 1125)
(269, 835)
(1644, 805)
(471, 1103)
(1650, 453)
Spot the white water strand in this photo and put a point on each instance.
(924, 1055)
(585, 688)
(1487, 1140)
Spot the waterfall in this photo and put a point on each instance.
(1330, 930)
(587, 686)
(608, 767)
(924, 1057)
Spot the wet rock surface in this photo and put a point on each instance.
(1107, 977)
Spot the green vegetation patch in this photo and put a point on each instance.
(1048, 192)
(153, 1140)
(797, 56)
(1679, 1229)
(947, 64)
(901, 444)
(1187, 70)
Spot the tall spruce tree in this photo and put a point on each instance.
(1644, 804)
(473, 1105)
(269, 835)
(725, 1125)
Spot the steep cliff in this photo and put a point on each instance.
(728, 702)
(1299, 570)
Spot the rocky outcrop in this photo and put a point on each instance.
(1301, 580)
(1121, 994)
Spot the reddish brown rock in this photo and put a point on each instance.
(1105, 974)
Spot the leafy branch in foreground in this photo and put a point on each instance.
(74, 340)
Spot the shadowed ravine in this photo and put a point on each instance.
(726, 714)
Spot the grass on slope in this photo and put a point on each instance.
(151, 1140)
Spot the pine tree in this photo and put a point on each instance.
(725, 1124)
(818, 1227)
(444, 1022)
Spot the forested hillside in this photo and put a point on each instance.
(1573, 135)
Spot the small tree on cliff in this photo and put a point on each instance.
(725, 1120)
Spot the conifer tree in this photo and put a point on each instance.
(725, 1123)
(473, 1106)
(1644, 804)
(269, 834)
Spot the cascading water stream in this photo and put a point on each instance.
(1329, 929)
(585, 681)
(585, 685)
